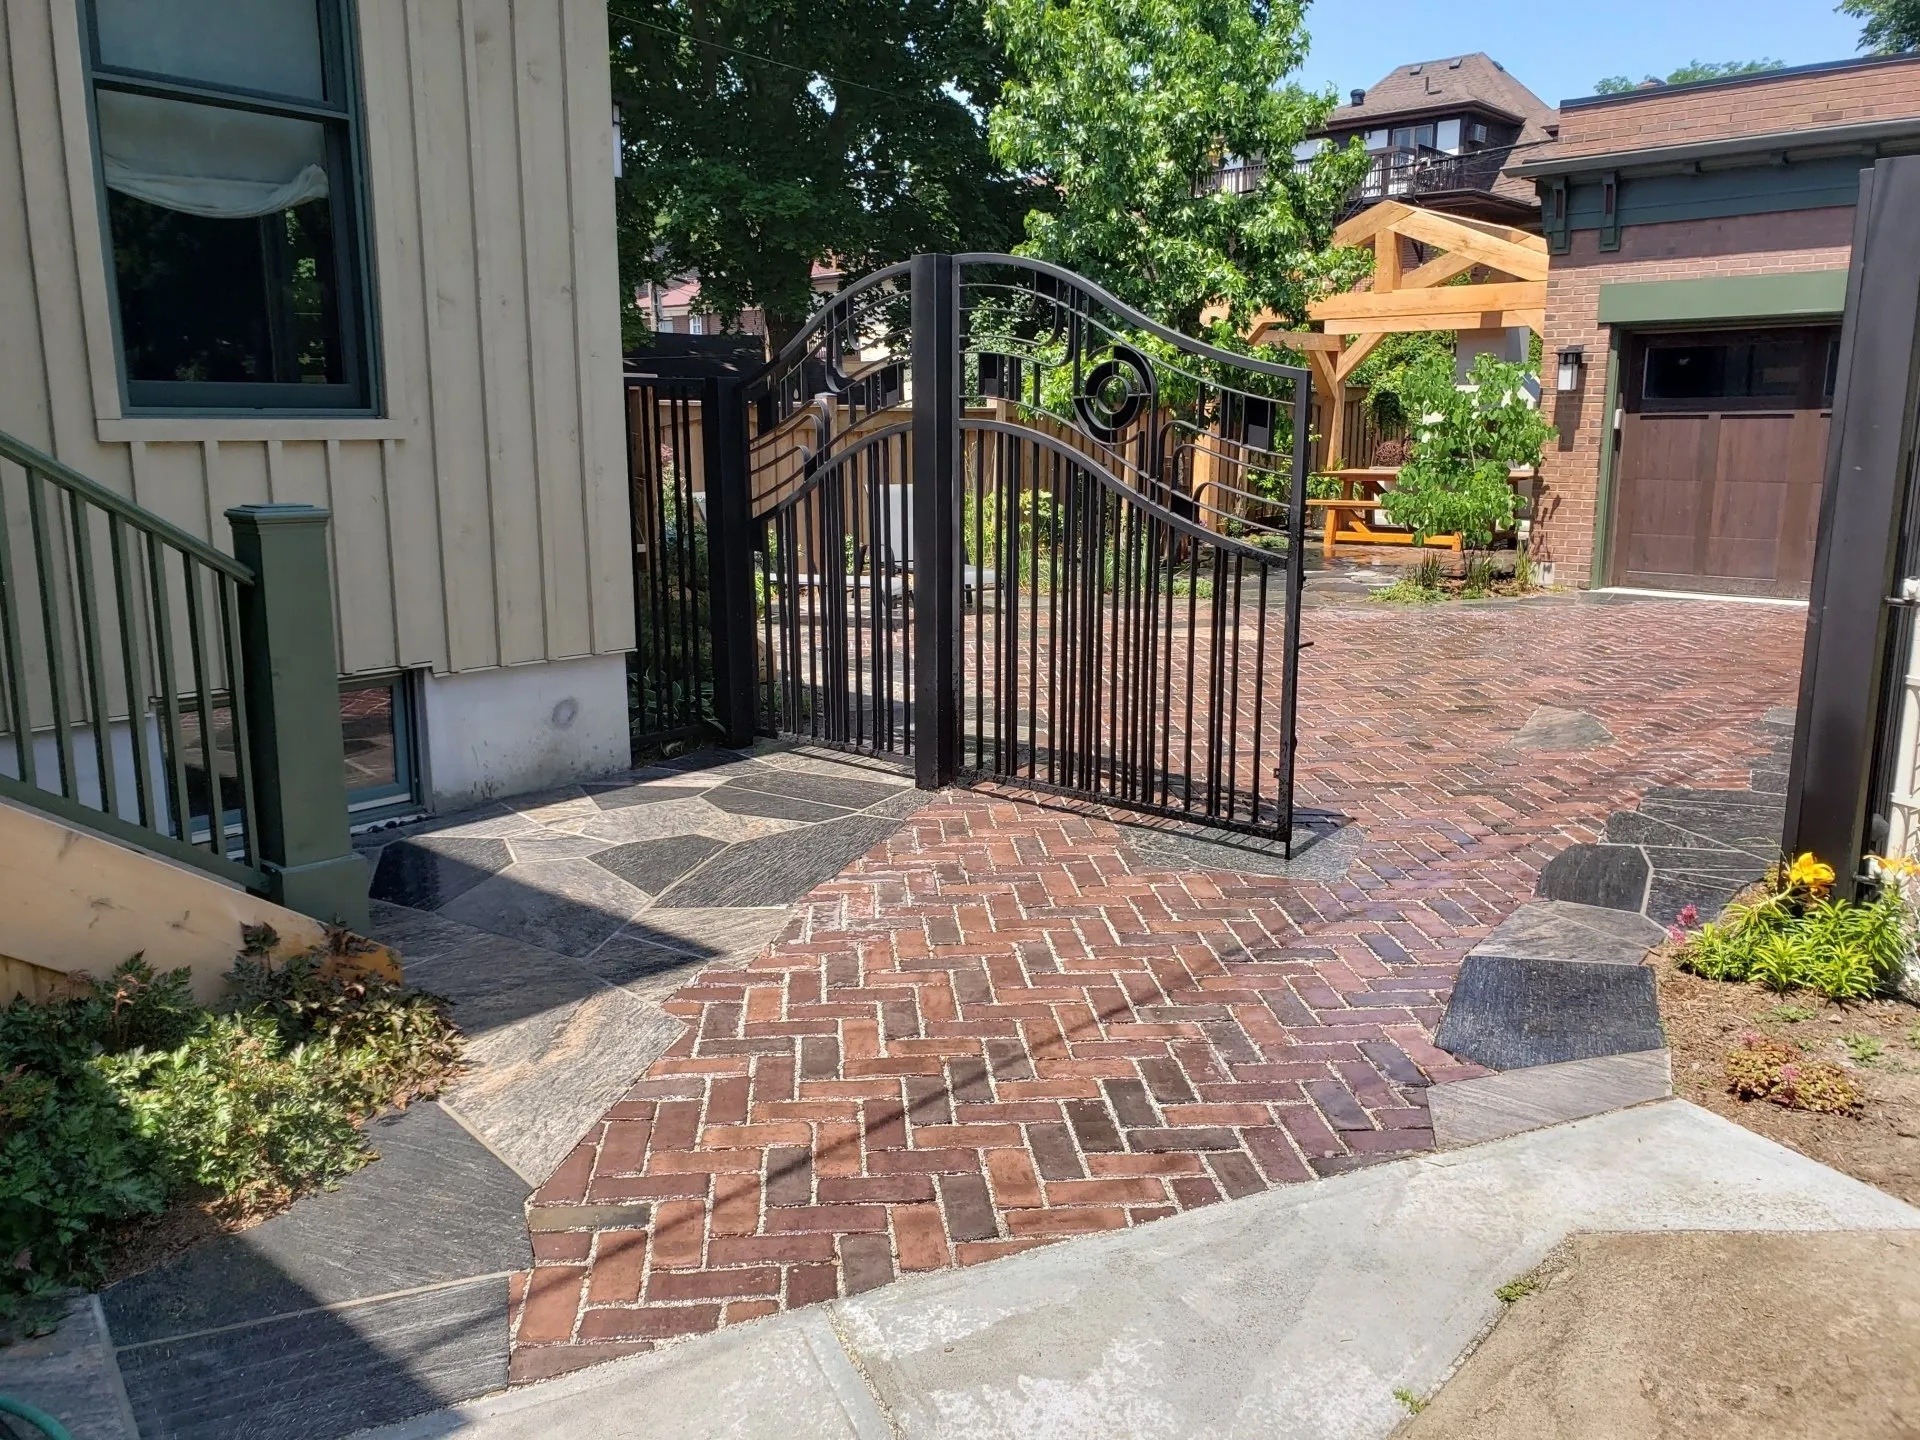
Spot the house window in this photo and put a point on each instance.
(1413, 137)
(376, 724)
(227, 139)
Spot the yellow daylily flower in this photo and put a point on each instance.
(1809, 874)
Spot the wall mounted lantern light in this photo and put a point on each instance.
(1573, 360)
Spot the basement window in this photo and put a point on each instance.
(376, 724)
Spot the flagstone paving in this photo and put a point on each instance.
(1004, 1024)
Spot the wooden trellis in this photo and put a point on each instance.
(1508, 289)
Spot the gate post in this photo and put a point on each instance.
(729, 560)
(1849, 714)
(935, 288)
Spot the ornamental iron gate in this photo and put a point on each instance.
(996, 521)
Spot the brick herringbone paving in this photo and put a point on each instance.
(1003, 1027)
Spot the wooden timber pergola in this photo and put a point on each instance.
(1405, 300)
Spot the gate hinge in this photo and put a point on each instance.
(1909, 592)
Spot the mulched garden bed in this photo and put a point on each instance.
(1877, 1042)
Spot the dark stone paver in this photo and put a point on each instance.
(324, 1373)
(429, 871)
(653, 865)
(436, 1206)
(1507, 1013)
(1613, 876)
(737, 800)
(291, 1328)
(847, 791)
(567, 906)
(620, 797)
(779, 869)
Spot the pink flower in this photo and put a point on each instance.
(1676, 934)
(1690, 916)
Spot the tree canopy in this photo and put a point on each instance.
(1892, 26)
(1116, 112)
(762, 136)
(1696, 70)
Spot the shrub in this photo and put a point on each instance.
(238, 1111)
(73, 1163)
(1464, 440)
(1754, 1069)
(386, 1045)
(1816, 1085)
(125, 1094)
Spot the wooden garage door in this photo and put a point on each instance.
(1722, 448)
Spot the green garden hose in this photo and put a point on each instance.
(39, 1419)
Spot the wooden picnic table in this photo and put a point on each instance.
(1348, 517)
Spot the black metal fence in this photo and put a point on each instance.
(992, 519)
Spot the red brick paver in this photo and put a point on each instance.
(1004, 1027)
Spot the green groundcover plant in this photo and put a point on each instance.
(1796, 939)
(127, 1096)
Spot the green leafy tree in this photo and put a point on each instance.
(762, 136)
(1118, 111)
(1465, 440)
(1702, 70)
(1892, 26)
(1385, 372)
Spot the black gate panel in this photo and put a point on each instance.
(1006, 526)
(671, 675)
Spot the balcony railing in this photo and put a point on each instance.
(1395, 173)
(1420, 171)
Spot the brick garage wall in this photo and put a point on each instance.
(1857, 95)
(1563, 530)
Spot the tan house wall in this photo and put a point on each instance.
(1639, 119)
(1564, 524)
(482, 519)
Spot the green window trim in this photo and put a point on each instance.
(1803, 295)
(1600, 562)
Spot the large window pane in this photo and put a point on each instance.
(226, 300)
(1687, 372)
(269, 45)
(223, 243)
(232, 205)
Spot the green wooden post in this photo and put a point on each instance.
(292, 692)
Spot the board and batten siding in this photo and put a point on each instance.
(481, 520)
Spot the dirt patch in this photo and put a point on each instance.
(1877, 1042)
(1703, 1336)
(142, 1244)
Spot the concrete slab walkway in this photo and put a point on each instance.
(1298, 1312)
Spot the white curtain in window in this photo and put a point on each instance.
(209, 160)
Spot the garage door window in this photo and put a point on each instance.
(1728, 370)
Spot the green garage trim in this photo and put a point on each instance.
(1808, 294)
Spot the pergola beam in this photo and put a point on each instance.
(1443, 320)
(1434, 300)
